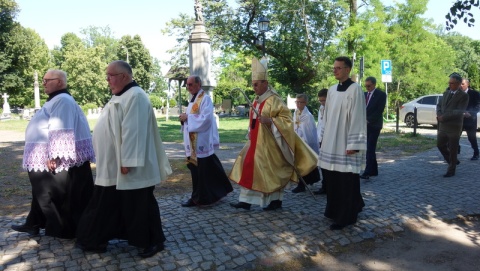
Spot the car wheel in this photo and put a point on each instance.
(409, 120)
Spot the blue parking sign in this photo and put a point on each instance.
(386, 67)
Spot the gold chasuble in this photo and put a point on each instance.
(265, 162)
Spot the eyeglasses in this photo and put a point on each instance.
(48, 80)
(112, 75)
(338, 68)
(299, 102)
(190, 84)
(368, 86)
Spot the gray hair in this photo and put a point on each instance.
(302, 96)
(123, 66)
(62, 75)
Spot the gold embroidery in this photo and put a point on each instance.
(193, 136)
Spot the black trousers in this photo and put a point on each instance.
(58, 199)
(344, 200)
(131, 215)
(210, 183)
(372, 137)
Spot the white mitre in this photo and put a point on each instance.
(259, 69)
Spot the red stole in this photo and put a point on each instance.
(248, 165)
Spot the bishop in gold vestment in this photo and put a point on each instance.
(267, 162)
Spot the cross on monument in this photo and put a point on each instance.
(6, 107)
(5, 96)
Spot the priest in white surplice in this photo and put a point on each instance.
(200, 138)
(58, 151)
(344, 143)
(304, 126)
(131, 160)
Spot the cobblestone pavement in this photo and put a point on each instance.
(220, 237)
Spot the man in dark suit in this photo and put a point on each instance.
(470, 116)
(450, 110)
(375, 101)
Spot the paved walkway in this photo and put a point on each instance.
(220, 237)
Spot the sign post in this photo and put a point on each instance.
(386, 67)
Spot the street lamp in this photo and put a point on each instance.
(263, 24)
(125, 47)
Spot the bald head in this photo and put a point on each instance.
(119, 74)
(54, 80)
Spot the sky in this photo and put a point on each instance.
(53, 18)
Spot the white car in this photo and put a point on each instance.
(426, 111)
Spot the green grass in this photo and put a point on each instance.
(19, 125)
(231, 130)
(405, 143)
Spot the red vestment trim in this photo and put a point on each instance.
(249, 162)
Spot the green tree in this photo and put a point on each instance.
(32, 54)
(85, 68)
(466, 54)
(235, 73)
(138, 57)
(473, 74)
(422, 60)
(155, 101)
(23, 53)
(180, 28)
(158, 79)
(95, 36)
(296, 43)
(19, 55)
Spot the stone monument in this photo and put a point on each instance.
(36, 91)
(199, 50)
(6, 107)
(200, 53)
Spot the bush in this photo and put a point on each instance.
(155, 101)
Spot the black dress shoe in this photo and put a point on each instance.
(298, 189)
(474, 157)
(449, 175)
(365, 176)
(242, 205)
(336, 227)
(32, 230)
(189, 203)
(151, 250)
(273, 205)
(320, 191)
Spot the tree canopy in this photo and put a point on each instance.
(303, 39)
